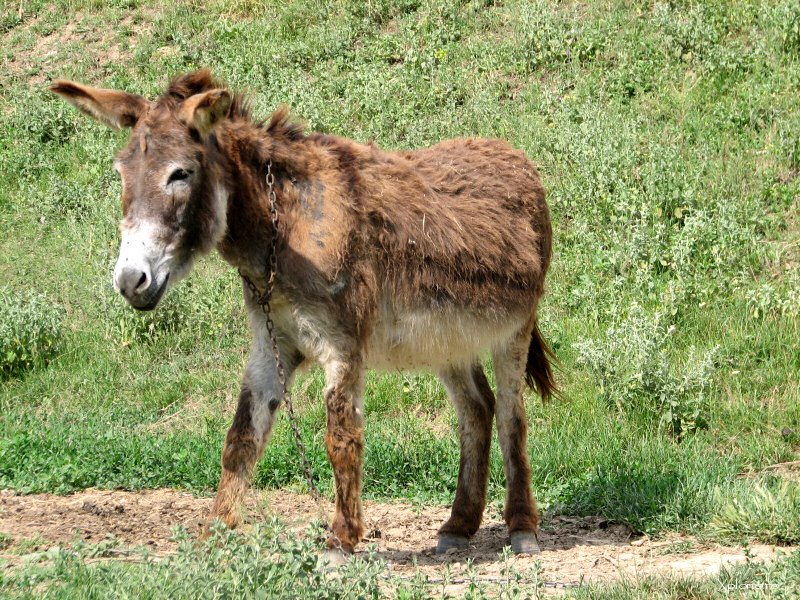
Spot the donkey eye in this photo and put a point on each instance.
(178, 175)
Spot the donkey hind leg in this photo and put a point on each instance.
(520, 513)
(259, 399)
(344, 443)
(473, 400)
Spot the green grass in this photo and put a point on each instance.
(751, 580)
(270, 563)
(668, 137)
(265, 564)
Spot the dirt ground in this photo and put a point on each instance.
(574, 550)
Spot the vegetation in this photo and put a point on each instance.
(269, 563)
(668, 136)
(752, 580)
(30, 329)
(266, 563)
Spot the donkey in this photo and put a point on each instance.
(418, 259)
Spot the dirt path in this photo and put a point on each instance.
(573, 549)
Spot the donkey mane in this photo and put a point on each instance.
(279, 125)
(196, 82)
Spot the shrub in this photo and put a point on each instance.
(635, 372)
(30, 331)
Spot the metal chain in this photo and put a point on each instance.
(263, 301)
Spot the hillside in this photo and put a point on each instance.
(668, 139)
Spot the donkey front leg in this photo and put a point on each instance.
(344, 442)
(259, 400)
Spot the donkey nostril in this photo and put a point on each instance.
(131, 281)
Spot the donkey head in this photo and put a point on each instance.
(173, 208)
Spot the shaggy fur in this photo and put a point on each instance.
(387, 259)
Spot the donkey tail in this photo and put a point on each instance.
(538, 372)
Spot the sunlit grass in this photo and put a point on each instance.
(667, 137)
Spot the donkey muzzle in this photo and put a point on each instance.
(139, 287)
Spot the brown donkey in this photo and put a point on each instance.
(384, 259)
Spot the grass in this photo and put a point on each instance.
(266, 564)
(768, 509)
(751, 580)
(668, 138)
(270, 563)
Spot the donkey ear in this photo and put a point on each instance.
(203, 111)
(115, 109)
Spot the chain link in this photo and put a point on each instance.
(263, 301)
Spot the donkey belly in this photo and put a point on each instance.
(434, 338)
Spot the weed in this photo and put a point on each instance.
(751, 580)
(780, 298)
(30, 331)
(267, 563)
(634, 372)
(28, 545)
(764, 511)
(791, 33)
(682, 547)
(186, 313)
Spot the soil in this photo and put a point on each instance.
(574, 549)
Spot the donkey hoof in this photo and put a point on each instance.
(450, 541)
(524, 542)
(332, 558)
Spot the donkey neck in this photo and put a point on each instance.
(244, 153)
